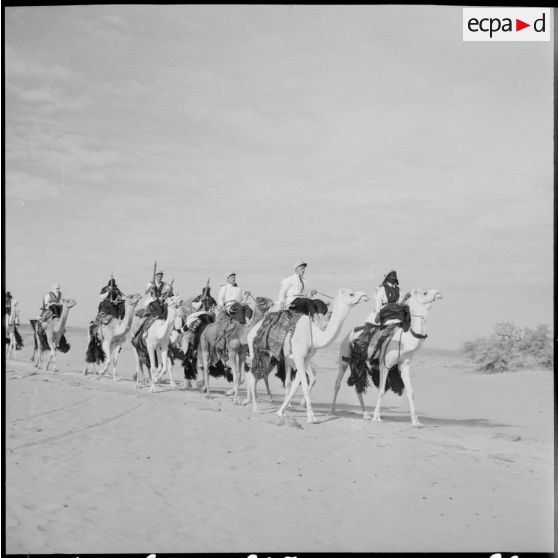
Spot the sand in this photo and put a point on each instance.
(96, 466)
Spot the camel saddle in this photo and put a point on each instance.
(100, 319)
(270, 338)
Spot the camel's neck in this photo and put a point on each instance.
(123, 327)
(418, 324)
(321, 338)
(59, 327)
(168, 324)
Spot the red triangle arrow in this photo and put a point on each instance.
(519, 25)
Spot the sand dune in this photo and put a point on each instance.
(95, 466)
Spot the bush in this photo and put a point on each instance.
(510, 348)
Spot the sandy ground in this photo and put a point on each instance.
(95, 466)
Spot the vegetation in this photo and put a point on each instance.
(511, 348)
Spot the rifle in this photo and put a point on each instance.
(154, 271)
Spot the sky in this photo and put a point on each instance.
(213, 138)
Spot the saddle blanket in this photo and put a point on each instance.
(270, 338)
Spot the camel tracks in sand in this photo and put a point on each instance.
(79, 403)
(72, 432)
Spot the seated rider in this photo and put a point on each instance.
(231, 293)
(295, 294)
(387, 294)
(112, 300)
(158, 292)
(52, 303)
(204, 302)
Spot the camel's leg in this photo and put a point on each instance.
(205, 357)
(51, 357)
(381, 390)
(311, 382)
(171, 374)
(292, 390)
(115, 355)
(266, 381)
(405, 368)
(153, 368)
(344, 354)
(235, 372)
(166, 365)
(108, 357)
(306, 388)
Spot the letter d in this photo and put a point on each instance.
(543, 20)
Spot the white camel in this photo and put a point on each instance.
(54, 330)
(113, 334)
(157, 342)
(399, 351)
(12, 323)
(299, 348)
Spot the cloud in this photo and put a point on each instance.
(24, 187)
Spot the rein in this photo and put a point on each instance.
(413, 333)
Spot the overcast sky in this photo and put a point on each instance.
(360, 138)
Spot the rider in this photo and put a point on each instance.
(231, 293)
(112, 300)
(295, 294)
(52, 303)
(387, 297)
(204, 302)
(158, 292)
(387, 293)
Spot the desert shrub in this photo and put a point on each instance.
(510, 348)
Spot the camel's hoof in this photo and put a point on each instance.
(173, 384)
(417, 423)
(376, 419)
(366, 416)
(312, 419)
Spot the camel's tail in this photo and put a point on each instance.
(63, 345)
(95, 351)
(282, 369)
(189, 365)
(359, 369)
(219, 369)
(393, 382)
(175, 353)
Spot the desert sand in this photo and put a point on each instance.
(96, 466)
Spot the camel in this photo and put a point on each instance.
(13, 321)
(305, 340)
(157, 342)
(54, 331)
(398, 352)
(113, 335)
(237, 348)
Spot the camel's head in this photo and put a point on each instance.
(174, 301)
(241, 313)
(133, 299)
(68, 302)
(420, 301)
(350, 298)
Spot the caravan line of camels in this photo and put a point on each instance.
(299, 346)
